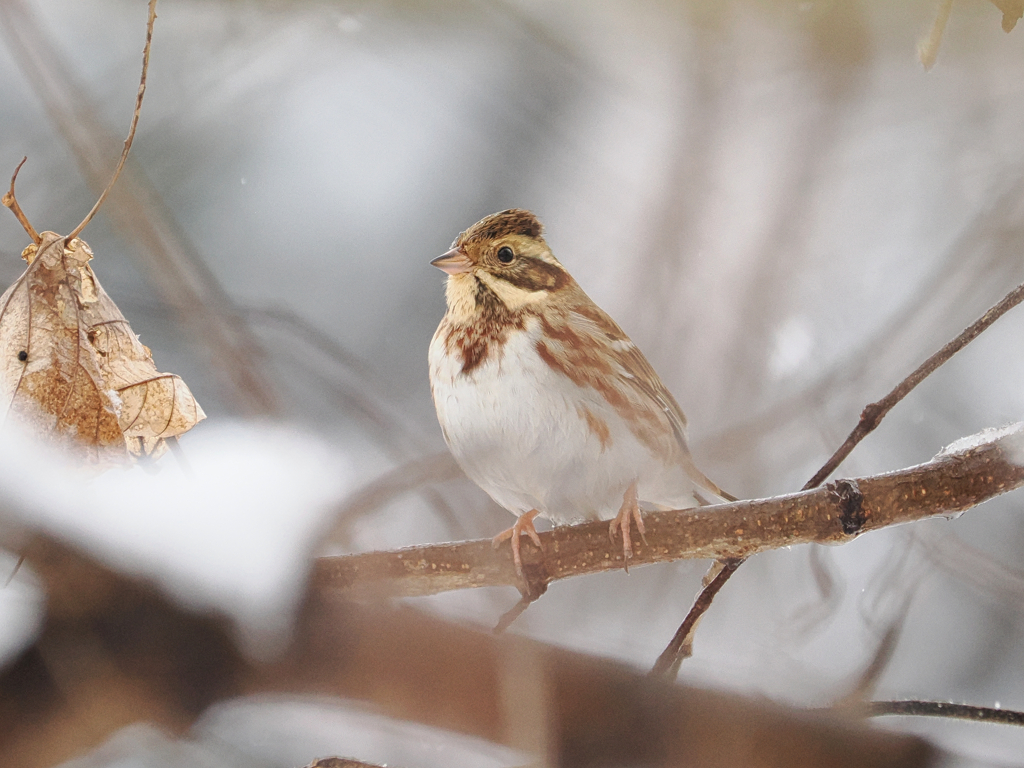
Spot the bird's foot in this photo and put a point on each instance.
(523, 524)
(628, 512)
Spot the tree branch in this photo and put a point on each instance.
(113, 651)
(945, 709)
(964, 475)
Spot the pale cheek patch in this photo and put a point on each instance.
(512, 297)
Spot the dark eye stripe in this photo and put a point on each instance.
(533, 275)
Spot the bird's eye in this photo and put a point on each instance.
(505, 255)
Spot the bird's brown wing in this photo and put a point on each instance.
(582, 342)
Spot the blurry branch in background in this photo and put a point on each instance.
(113, 651)
(955, 480)
(413, 475)
(928, 46)
(974, 269)
(401, 441)
(972, 566)
(174, 266)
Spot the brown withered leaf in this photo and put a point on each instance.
(1012, 10)
(73, 372)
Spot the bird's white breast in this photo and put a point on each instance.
(521, 431)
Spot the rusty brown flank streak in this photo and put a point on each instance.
(834, 514)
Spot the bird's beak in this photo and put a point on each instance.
(455, 262)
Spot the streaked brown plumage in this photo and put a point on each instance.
(543, 399)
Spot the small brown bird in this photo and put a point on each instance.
(544, 401)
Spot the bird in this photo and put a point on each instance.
(543, 399)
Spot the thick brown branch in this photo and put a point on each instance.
(114, 651)
(951, 482)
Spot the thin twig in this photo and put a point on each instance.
(944, 709)
(131, 129)
(17, 567)
(410, 476)
(513, 613)
(873, 414)
(10, 201)
(681, 645)
(179, 455)
(870, 418)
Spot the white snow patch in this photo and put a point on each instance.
(990, 435)
(235, 534)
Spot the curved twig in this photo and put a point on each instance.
(873, 413)
(10, 201)
(131, 129)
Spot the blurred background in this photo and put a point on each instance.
(778, 203)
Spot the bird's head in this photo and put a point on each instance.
(503, 255)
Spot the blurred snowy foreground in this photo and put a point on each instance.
(232, 532)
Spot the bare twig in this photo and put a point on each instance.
(873, 414)
(513, 613)
(131, 128)
(11, 201)
(870, 418)
(410, 476)
(681, 645)
(928, 46)
(952, 482)
(944, 709)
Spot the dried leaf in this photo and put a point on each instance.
(71, 368)
(1012, 10)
